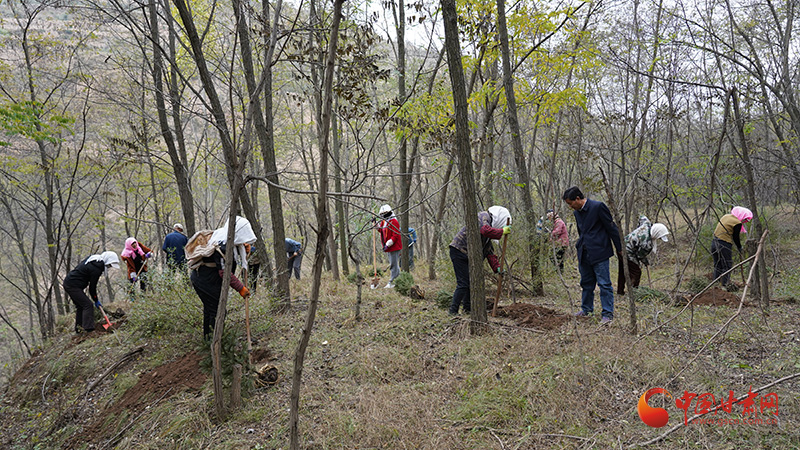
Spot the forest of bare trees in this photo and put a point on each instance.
(120, 118)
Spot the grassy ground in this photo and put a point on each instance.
(410, 376)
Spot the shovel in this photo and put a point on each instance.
(500, 275)
(376, 279)
(108, 325)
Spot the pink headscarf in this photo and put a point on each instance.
(129, 250)
(743, 214)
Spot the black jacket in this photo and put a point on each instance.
(597, 232)
(86, 274)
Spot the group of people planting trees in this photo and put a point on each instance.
(598, 239)
(203, 254)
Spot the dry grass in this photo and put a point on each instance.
(409, 376)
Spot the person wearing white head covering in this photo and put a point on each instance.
(493, 224)
(209, 267)
(640, 244)
(87, 273)
(392, 241)
(727, 234)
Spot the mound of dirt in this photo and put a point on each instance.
(718, 297)
(153, 387)
(533, 316)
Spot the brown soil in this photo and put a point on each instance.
(718, 297)
(260, 355)
(153, 387)
(533, 316)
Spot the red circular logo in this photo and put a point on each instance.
(654, 417)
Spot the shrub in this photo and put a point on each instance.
(696, 284)
(443, 299)
(646, 294)
(169, 307)
(354, 277)
(403, 283)
(233, 351)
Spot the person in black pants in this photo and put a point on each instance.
(87, 273)
(492, 226)
(207, 282)
(205, 255)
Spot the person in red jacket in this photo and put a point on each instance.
(392, 241)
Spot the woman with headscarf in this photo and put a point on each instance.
(726, 234)
(134, 256)
(493, 224)
(639, 245)
(206, 257)
(87, 273)
(559, 237)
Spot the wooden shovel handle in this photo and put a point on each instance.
(500, 275)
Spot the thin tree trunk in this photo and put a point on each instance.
(264, 126)
(466, 174)
(437, 224)
(322, 218)
(519, 154)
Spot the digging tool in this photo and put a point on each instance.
(649, 282)
(108, 323)
(500, 275)
(247, 320)
(375, 277)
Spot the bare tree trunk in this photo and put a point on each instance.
(466, 174)
(519, 154)
(263, 121)
(322, 218)
(339, 173)
(179, 167)
(437, 224)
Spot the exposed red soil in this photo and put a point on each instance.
(153, 387)
(533, 316)
(718, 297)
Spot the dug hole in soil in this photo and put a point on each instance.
(530, 316)
(714, 297)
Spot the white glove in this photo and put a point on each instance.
(389, 243)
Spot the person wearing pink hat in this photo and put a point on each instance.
(726, 234)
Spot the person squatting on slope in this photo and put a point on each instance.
(639, 245)
(173, 248)
(597, 232)
(389, 229)
(134, 255)
(492, 225)
(87, 273)
(206, 257)
(294, 257)
(726, 234)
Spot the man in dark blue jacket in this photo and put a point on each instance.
(597, 232)
(173, 247)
